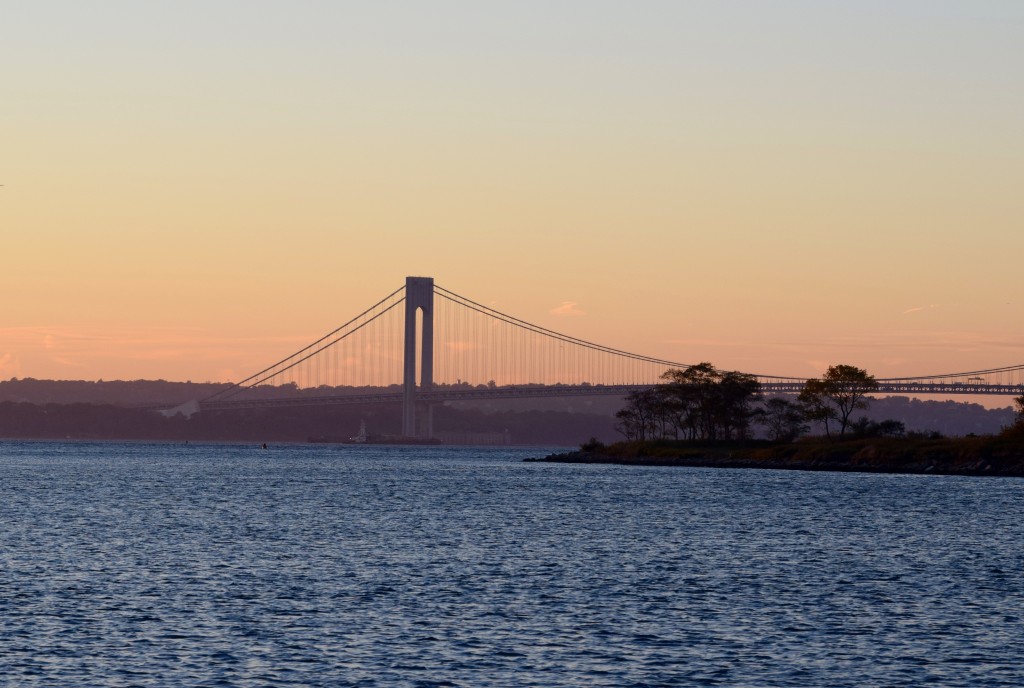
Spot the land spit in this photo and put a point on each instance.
(1001, 455)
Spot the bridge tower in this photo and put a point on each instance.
(419, 297)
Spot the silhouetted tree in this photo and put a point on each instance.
(638, 419)
(627, 423)
(1016, 430)
(704, 403)
(837, 394)
(681, 402)
(698, 403)
(737, 394)
(785, 420)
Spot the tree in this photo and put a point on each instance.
(628, 423)
(1018, 425)
(638, 419)
(785, 420)
(837, 394)
(705, 403)
(682, 397)
(698, 403)
(737, 393)
(1016, 430)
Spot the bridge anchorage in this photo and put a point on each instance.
(422, 345)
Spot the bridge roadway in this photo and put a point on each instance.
(536, 391)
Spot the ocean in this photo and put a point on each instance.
(129, 564)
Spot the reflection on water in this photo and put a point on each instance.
(130, 564)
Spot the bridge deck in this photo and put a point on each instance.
(538, 391)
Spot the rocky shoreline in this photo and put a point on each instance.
(978, 456)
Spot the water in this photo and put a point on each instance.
(133, 564)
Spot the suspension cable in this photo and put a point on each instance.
(537, 329)
(236, 387)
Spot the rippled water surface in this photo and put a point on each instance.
(135, 564)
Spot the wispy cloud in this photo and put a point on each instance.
(918, 309)
(567, 308)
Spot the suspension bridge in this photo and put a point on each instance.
(423, 345)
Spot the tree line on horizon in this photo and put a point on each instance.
(702, 403)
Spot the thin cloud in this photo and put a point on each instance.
(918, 309)
(567, 308)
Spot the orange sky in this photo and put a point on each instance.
(191, 193)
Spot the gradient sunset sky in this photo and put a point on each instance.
(192, 190)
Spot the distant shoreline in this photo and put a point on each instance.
(970, 456)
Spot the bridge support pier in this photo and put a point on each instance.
(419, 297)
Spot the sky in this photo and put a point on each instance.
(192, 190)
